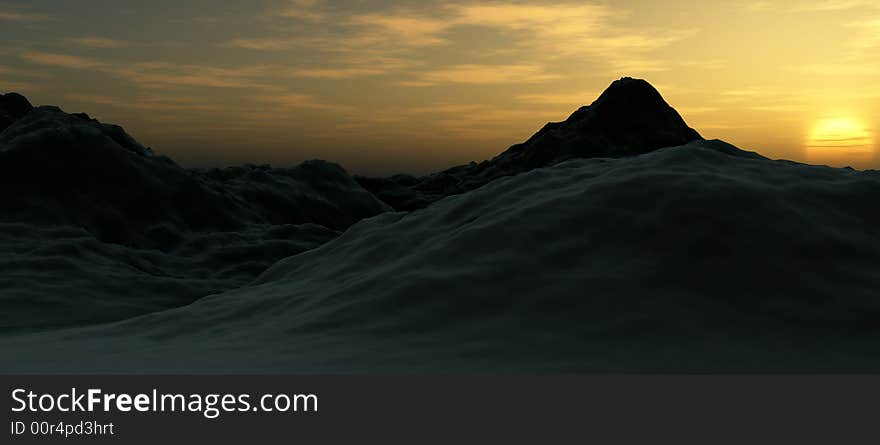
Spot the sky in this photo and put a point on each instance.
(417, 86)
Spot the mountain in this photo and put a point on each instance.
(629, 118)
(617, 240)
(95, 227)
(59, 168)
(684, 259)
(13, 106)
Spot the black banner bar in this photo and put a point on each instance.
(417, 410)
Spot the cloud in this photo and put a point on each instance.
(487, 74)
(838, 69)
(746, 95)
(560, 29)
(704, 64)
(446, 108)
(298, 100)
(161, 74)
(542, 22)
(484, 122)
(99, 42)
(696, 110)
(543, 33)
(22, 79)
(9, 80)
(21, 17)
(562, 18)
(809, 6)
(635, 42)
(412, 83)
(14, 86)
(152, 102)
(354, 66)
(759, 6)
(264, 44)
(868, 33)
(576, 98)
(722, 126)
(406, 30)
(336, 73)
(833, 5)
(302, 10)
(636, 66)
(61, 60)
(779, 108)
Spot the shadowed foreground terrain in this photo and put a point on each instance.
(618, 240)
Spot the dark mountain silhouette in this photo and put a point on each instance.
(87, 211)
(629, 118)
(13, 106)
(84, 199)
(59, 168)
(693, 258)
(617, 240)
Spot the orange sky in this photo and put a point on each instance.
(387, 86)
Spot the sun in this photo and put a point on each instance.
(840, 141)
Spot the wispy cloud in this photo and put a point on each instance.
(758, 6)
(168, 103)
(838, 69)
(686, 110)
(10, 16)
(540, 22)
(575, 98)
(335, 73)
(99, 42)
(413, 83)
(808, 6)
(299, 100)
(264, 44)
(61, 60)
(354, 66)
(22, 80)
(7, 86)
(543, 33)
(638, 66)
(867, 32)
(488, 74)
(307, 10)
(399, 29)
(565, 27)
(447, 108)
(9, 83)
(159, 74)
(833, 5)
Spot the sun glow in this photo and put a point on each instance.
(840, 141)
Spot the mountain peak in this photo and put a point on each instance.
(14, 101)
(630, 117)
(630, 92)
(13, 106)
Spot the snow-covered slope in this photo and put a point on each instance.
(698, 257)
(95, 227)
(60, 276)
